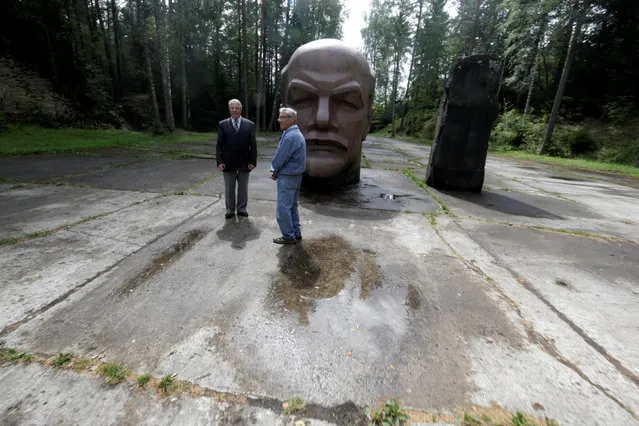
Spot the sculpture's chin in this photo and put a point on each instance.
(324, 166)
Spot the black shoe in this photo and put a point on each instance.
(242, 214)
(229, 215)
(282, 240)
(298, 237)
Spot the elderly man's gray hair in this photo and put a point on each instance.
(290, 112)
(235, 101)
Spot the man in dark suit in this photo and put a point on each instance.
(236, 154)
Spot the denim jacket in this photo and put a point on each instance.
(290, 157)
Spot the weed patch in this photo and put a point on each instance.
(12, 356)
(391, 414)
(114, 373)
(143, 379)
(294, 406)
(62, 360)
(167, 383)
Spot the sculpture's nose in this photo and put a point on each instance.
(322, 117)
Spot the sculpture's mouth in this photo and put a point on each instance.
(327, 145)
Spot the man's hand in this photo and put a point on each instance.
(251, 167)
(221, 167)
(273, 176)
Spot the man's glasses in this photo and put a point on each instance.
(283, 118)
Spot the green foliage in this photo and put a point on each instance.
(519, 419)
(390, 414)
(608, 142)
(23, 140)
(114, 373)
(62, 360)
(143, 379)
(295, 405)
(12, 356)
(167, 383)
(513, 130)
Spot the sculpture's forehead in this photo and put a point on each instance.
(319, 62)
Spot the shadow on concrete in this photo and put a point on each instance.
(238, 231)
(503, 204)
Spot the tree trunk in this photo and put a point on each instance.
(107, 47)
(142, 14)
(278, 66)
(260, 76)
(186, 113)
(240, 48)
(535, 67)
(574, 39)
(244, 60)
(118, 53)
(412, 61)
(165, 66)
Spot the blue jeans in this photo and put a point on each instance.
(288, 193)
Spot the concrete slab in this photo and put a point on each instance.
(35, 395)
(47, 167)
(375, 302)
(153, 176)
(404, 339)
(40, 271)
(40, 208)
(591, 282)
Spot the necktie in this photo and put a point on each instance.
(236, 124)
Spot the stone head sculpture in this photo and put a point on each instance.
(331, 86)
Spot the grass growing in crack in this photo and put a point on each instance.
(167, 383)
(15, 240)
(61, 360)
(391, 413)
(80, 364)
(367, 165)
(143, 379)
(470, 420)
(40, 234)
(114, 373)
(12, 356)
(432, 218)
(520, 420)
(295, 405)
(448, 212)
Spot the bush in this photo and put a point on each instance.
(516, 131)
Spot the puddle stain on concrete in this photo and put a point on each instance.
(370, 274)
(318, 269)
(162, 261)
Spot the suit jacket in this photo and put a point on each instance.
(236, 150)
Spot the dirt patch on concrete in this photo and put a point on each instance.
(162, 261)
(318, 269)
(413, 299)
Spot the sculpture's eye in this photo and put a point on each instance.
(349, 101)
(300, 98)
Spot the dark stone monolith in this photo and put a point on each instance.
(466, 115)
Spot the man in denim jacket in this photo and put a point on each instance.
(289, 162)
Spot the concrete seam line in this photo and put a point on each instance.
(34, 314)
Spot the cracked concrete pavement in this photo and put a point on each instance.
(525, 296)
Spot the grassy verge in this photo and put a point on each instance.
(573, 163)
(405, 138)
(25, 140)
